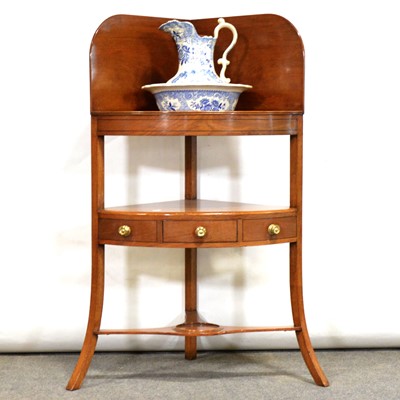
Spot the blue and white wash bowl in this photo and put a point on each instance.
(171, 97)
(196, 86)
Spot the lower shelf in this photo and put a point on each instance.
(193, 330)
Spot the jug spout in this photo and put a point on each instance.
(195, 54)
(179, 30)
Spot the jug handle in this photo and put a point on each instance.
(224, 61)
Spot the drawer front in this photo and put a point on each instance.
(269, 229)
(199, 231)
(127, 230)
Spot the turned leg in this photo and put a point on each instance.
(97, 285)
(296, 274)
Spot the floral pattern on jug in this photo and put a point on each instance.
(195, 54)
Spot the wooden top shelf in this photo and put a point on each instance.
(148, 123)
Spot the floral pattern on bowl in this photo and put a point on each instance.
(196, 97)
(199, 100)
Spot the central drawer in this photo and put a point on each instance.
(200, 231)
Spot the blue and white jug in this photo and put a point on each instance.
(196, 53)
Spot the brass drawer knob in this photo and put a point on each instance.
(274, 229)
(124, 230)
(200, 231)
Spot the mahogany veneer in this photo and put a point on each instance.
(128, 52)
